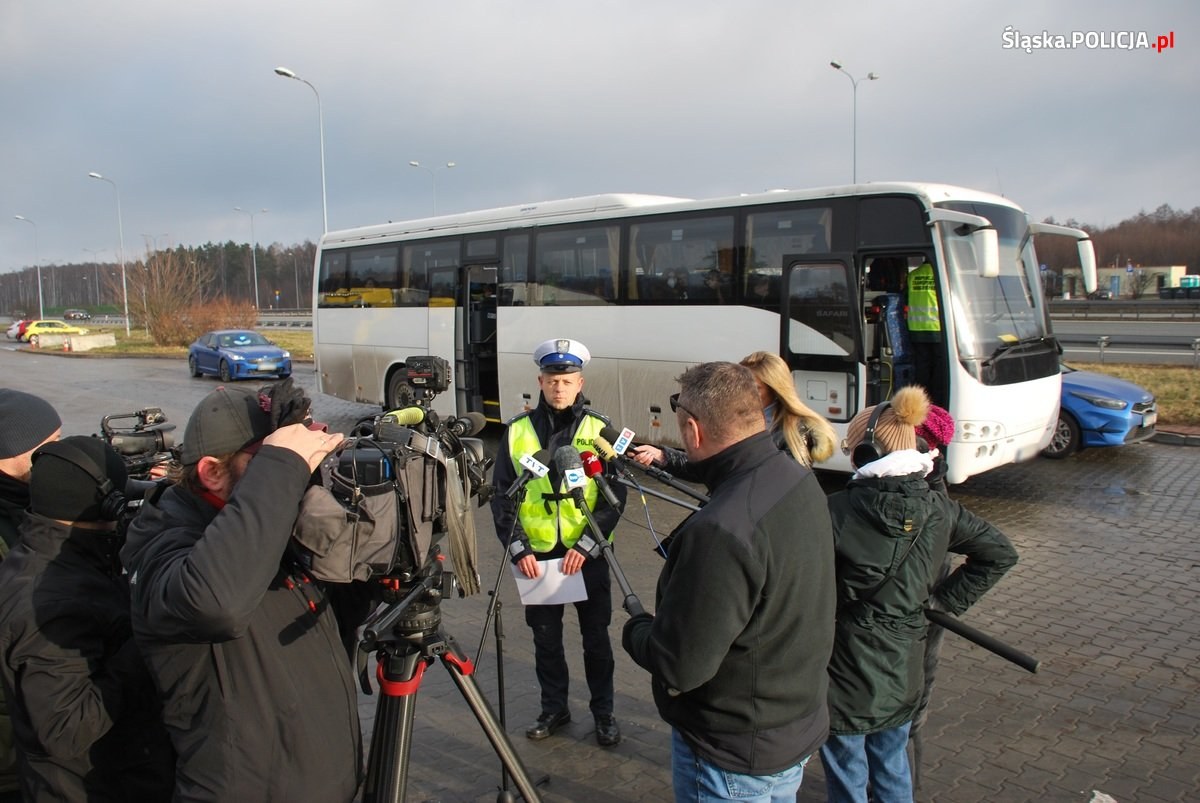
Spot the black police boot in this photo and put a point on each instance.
(547, 724)
(608, 733)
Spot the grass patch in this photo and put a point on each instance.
(138, 344)
(1177, 388)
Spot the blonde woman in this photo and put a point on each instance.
(805, 435)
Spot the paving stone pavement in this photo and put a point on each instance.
(1104, 595)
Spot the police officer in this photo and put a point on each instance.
(544, 525)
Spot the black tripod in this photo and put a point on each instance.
(407, 636)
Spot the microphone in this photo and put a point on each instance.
(618, 440)
(591, 541)
(594, 469)
(470, 424)
(532, 466)
(607, 451)
(570, 467)
(405, 416)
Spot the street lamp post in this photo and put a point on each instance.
(433, 177)
(253, 248)
(286, 73)
(854, 124)
(36, 265)
(121, 236)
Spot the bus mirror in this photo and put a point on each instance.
(986, 244)
(1087, 262)
(985, 241)
(1087, 253)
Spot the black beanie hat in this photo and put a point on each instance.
(25, 422)
(72, 477)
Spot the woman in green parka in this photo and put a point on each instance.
(892, 533)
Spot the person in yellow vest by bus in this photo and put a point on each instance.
(925, 332)
(544, 524)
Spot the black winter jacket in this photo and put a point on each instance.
(84, 710)
(14, 498)
(258, 695)
(745, 606)
(898, 526)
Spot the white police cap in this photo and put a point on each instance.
(561, 356)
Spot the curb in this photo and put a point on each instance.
(1176, 439)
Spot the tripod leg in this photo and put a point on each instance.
(391, 738)
(461, 670)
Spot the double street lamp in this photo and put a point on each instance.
(854, 82)
(286, 73)
(253, 248)
(36, 265)
(121, 236)
(433, 176)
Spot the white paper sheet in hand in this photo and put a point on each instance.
(552, 587)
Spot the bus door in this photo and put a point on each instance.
(820, 334)
(478, 379)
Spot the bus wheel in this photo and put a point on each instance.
(399, 392)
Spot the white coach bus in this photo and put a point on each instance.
(654, 284)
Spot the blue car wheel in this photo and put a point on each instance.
(226, 376)
(1065, 440)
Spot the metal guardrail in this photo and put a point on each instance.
(1148, 309)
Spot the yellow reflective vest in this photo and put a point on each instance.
(923, 301)
(549, 520)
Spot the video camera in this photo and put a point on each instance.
(396, 488)
(144, 443)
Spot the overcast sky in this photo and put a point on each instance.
(178, 104)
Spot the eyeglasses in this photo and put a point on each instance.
(676, 406)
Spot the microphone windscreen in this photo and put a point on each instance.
(566, 458)
(405, 416)
(604, 448)
(476, 422)
(591, 464)
(610, 434)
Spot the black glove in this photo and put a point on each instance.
(634, 623)
(286, 403)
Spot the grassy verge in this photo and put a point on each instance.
(1176, 387)
(139, 344)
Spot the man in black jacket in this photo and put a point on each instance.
(258, 695)
(744, 624)
(546, 526)
(26, 422)
(85, 713)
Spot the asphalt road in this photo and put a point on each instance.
(1105, 595)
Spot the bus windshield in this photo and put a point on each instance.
(991, 315)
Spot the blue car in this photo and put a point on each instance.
(237, 354)
(1100, 410)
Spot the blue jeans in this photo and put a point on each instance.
(699, 780)
(851, 762)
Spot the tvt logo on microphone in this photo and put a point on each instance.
(535, 468)
(623, 442)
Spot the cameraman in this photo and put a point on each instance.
(259, 699)
(546, 526)
(26, 422)
(85, 713)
